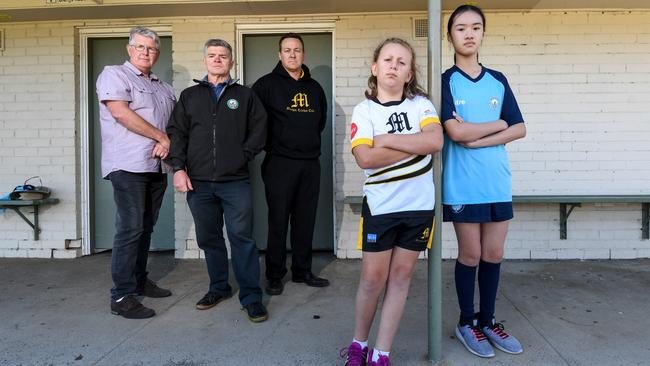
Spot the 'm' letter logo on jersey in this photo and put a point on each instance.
(353, 130)
(398, 122)
(300, 100)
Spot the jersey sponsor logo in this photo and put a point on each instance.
(353, 130)
(457, 208)
(424, 237)
(300, 101)
(459, 101)
(398, 122)
(494, 103)
(371, 238)
(232, 103)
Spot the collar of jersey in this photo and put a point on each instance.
(388, 104)
(474, 80)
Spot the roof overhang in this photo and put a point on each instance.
(41, 10)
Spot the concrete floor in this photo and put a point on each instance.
(56, 312)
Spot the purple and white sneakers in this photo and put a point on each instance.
(355, 355)
(381, 361)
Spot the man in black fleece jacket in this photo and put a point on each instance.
(297, 110)
(216, 128)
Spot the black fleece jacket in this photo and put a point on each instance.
(297, 112)
(212, 140)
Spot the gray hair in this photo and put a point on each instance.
(145, 32)
(216, 43)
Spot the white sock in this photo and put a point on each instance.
(363, 344)
(377, 353)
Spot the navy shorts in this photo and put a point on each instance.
(478, 213)
(412, 230)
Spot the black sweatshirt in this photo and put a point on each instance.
(297, 112)
(214, 139)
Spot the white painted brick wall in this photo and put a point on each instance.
(37, 119)
(581, 79)
(584, 88)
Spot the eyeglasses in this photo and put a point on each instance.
(143, 48)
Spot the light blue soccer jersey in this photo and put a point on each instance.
(476, 175)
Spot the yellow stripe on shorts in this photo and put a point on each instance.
(360, 236)
(433, 228)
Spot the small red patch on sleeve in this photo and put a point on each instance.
(353, 130)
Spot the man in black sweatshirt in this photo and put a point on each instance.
(216, 128)
(297, 112)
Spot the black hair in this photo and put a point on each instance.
(463, 9)
(459, 11)
(291, 35)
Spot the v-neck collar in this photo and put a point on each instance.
(474, 80)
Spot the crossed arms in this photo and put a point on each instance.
(390, 148)
(473, 135)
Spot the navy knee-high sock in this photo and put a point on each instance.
(488, 283)
(465, 277)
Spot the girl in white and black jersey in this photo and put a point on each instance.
(393, 132)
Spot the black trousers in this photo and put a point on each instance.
(138, 197)
(291, 187)
(212, 203)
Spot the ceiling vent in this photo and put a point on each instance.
(420, 28)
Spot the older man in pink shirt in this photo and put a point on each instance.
(134, 106)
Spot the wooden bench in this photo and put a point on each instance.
(568, 203)
(17, 204)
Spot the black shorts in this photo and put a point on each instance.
(478, 213)
(408, 230)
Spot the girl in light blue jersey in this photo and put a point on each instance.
(480, 115)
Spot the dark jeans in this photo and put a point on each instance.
(138, 197)
(291, 187)
(210, 203)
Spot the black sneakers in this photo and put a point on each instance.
(150, 289)
(256, 312)
(130, 308)
(211, 299)
(274, 287)
(310, 279)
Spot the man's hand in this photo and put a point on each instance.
(161, 148)
(159, 151)
(164, 141)
(182, 182)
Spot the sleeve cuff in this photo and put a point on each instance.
(428, 121)
(361, 141)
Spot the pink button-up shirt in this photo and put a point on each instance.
(149, 97)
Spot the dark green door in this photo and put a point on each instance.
(111, 51)
(260, 57)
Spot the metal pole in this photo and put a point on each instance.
(435, 253)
